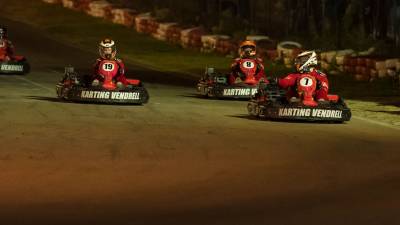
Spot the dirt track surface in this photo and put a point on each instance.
(179, 159)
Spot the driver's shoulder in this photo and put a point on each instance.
(319, 73)
(119, 60)
(238, 59)
(8, 43)
(98, 61)
(259, 60)
(292, 75)
(235, 62)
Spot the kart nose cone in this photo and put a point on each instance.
(109, 85)
(250, 81)
(310, 102)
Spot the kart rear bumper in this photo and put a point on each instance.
(14, 67)
(334, 112)
(134, 95)
(223, 91)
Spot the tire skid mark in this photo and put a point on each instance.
(152, 107)
(36, 84)
(387, 125)
(33, 106)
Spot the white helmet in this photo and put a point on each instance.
(107, 49)
(305, 60)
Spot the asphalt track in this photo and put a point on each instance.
(180, 159)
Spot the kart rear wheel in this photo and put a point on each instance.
(253, 109)
(27, 69)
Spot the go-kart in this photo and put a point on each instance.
(271, 102)
(77, 88)
(217, 85)
(15, 65)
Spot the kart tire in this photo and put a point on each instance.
(27, 69)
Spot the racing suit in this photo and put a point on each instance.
(236, 71)
(290, 82)
(121, 71)
(6, 50)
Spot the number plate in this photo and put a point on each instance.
(248, 65)
(108, 67)
(306, 82)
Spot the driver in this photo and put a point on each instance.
(108, 51)
(247, 50)
(305, 63)
(6, 47)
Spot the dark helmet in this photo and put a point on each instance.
(3, 32)
(247, 49)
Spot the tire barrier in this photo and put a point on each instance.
(361, 65)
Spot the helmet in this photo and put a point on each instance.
(107, 49)
(305, 61)
(3, 32)
(247, 49)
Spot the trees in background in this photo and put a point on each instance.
(306, 19)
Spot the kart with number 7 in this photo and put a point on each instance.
(271, 102)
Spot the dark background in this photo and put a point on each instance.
(324, 23)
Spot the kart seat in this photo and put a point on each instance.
(250, 81)
(333, 98)
(133, 82)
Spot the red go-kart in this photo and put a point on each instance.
(74, 87)
(13, 65)
(218, 85)
(271, 102)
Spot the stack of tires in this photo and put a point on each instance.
(334, 60)
(214, 43)
(123, 16)
(209, 43)
(365, 68)
(163, 31)
(392, 67)
(70, 4)
(191, 38)
(52, 1)
(327, 60)
(398, 66)
(82, 5)
(287, 51)
(226, 46)
(379, 68)
(142, 23)
(266, 48)
(99, 9)
(174, 35)
(153, 26)
(340, 58)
